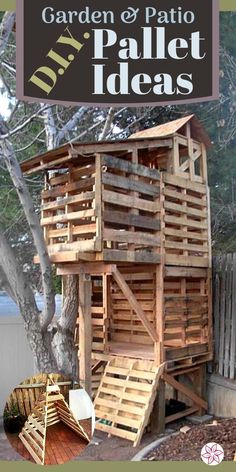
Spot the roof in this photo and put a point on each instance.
(57, 157)
(172, 127)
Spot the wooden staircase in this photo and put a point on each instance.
(125, 397)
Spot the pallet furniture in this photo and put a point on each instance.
(131, 219)
(51, 408)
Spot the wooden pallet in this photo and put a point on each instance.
(51, 408)
(125, 397)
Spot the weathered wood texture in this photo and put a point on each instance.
(186, 225)
(186, 310)
(224, 309)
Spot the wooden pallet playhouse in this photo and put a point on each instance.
(131, 218)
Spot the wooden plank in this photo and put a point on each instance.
(137, 410)
(189, 261)
(71, 216)
(85, 332)
(180, 414)
(184, 221)
(125, 219)
(113, 255)
(185, 390)
(176, 208)
(37, 459)
(37, 447)
(80, 198)
(82, 185)
(96, 268)
(185, 234)
(131, 237)
(157, 423)
(84, 229)
(37, 424)
(130, 167)
(77, 246)
(186, 198)
(125, 183)
(121, 433)
(98, 203)
(33, 431)
(185, 272)
(118, 418)
(129, 201)
(186, 247)
(134, 304)
(72, 174)
(184, 183)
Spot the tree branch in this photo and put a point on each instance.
(70, 125)
(94, 126)
(21, 126)
(50, 127)
(6, 29)
(108, 124)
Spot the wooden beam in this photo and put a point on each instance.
(134, 304)
(185, 390)
(98, 202)
(96, 268)
(85, 332)
(180, 414)
(158, 412)
(130, 167)
(185, 272)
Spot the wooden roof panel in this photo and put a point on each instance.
(172, 127)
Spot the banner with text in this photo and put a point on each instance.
(146, 52)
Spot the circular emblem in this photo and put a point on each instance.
(212, 454)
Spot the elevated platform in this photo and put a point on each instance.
(130, 202)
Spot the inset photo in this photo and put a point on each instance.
(48, 419)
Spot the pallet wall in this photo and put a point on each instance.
(185, 222)
(68, 209)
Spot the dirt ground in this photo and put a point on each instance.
(187, 446)
(113, 448)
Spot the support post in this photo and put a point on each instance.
(158, 412)
(200, 385)
(85, 332)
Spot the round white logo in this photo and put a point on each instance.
(212, 454)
